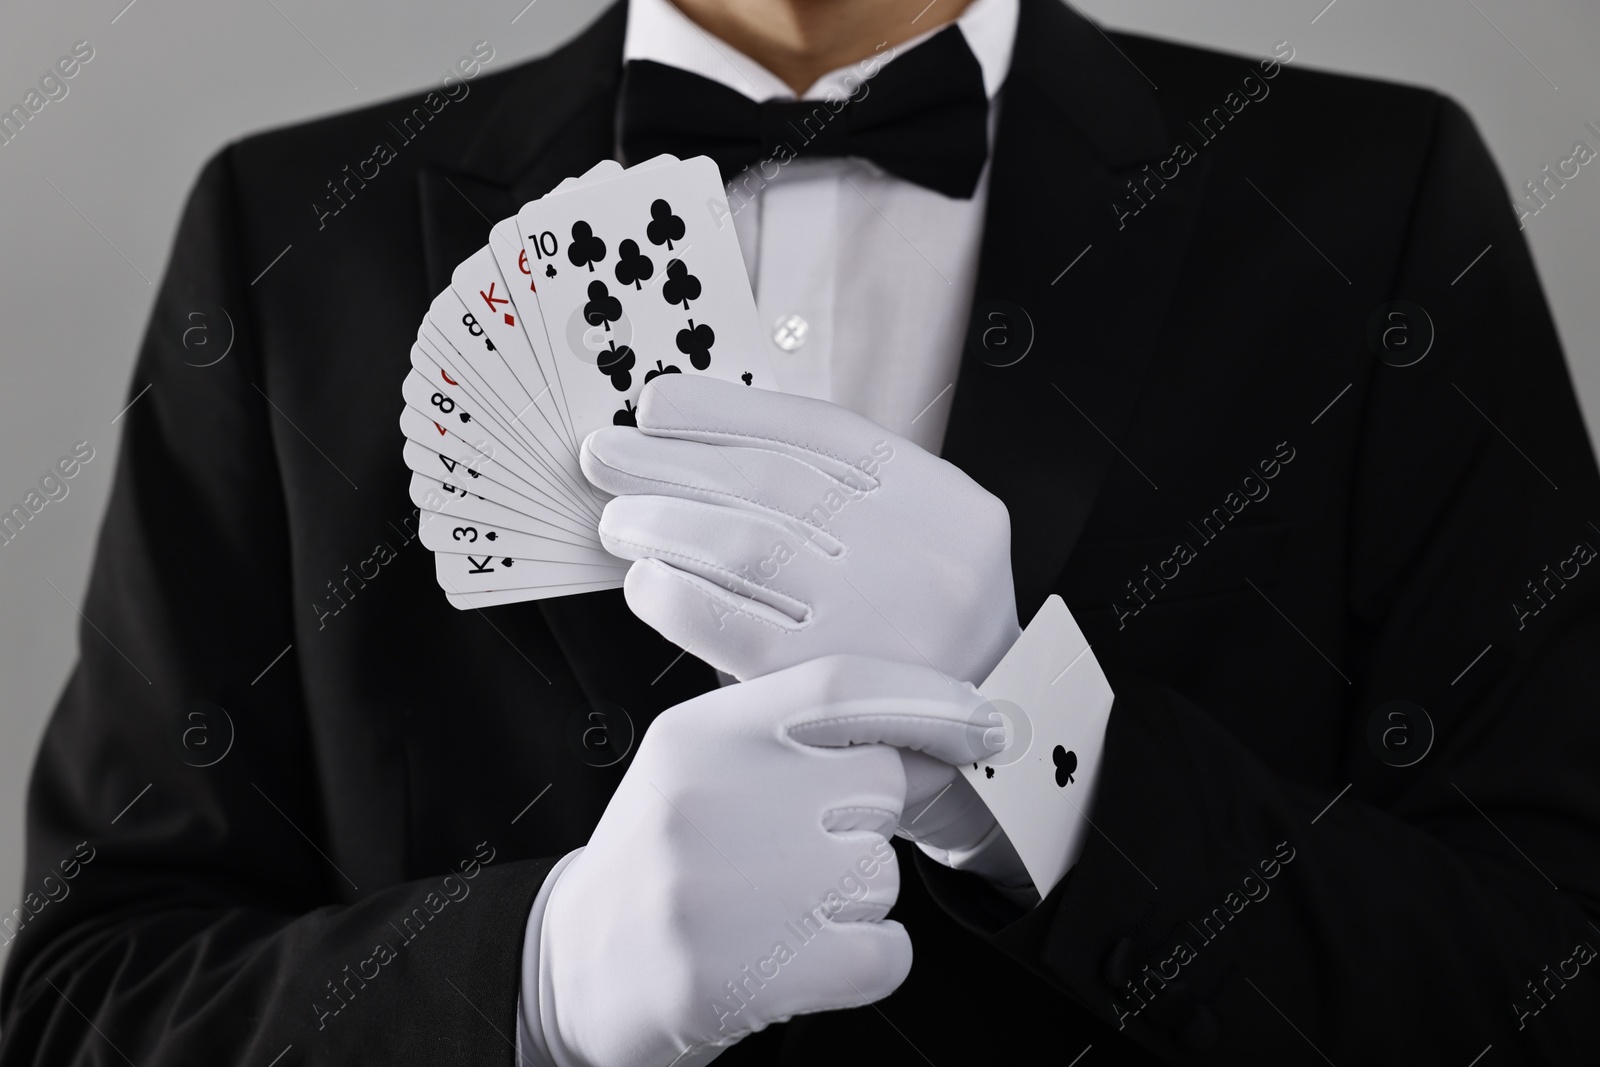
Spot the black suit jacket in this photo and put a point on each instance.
(1268, 532)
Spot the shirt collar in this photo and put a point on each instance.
(659, 31)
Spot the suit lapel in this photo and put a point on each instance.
(557, 120)
(1077, 120)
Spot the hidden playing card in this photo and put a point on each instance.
(1054, 701)
(637, 276)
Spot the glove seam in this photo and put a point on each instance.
(671, 554)
(802, 446)
(861, 809)
(864, 717)
(656, 481)
(679, 576)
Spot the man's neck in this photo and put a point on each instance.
(801, 40)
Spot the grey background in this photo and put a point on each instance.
(90, 192)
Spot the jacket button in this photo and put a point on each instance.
(1201, 1032)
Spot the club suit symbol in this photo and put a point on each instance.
(1066, 765)
(633, 266)
(695, 342)
(586, 249)
(680, 286)
(602, 309)
(615, 362)
(659, 370)
(665, 227)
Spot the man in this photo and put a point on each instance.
(1319, 496)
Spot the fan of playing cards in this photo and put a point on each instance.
(547, 333)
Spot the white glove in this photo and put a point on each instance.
(772, 529)
(769, 529)
(741, 872)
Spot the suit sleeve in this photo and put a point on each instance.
(1224, 913)
(179, 905)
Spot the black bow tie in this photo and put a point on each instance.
(923, 117)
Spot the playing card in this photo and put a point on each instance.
(455, 338)
(456, 533)
(496, 316)
(552, 566)
(488, 573)
(529, 356)
(464, 601)
(535, 366)
(441, 423)
(551, 473)
(521, 358)
(638, 276)
(455, 465)
(450, 499)
(1054, 701)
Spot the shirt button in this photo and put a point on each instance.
(789, 332)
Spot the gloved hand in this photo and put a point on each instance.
(771, 529)
(741, 872)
